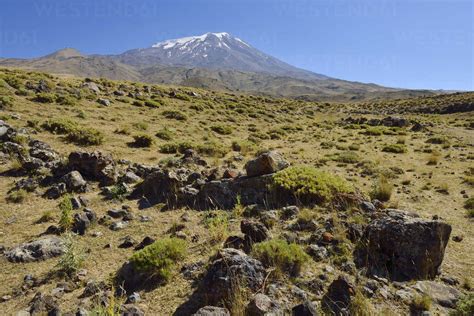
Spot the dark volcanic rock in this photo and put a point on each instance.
(212, 311)
(402, 247)
(255, 231)
(229, 269)
(93, 166)
(338, 297)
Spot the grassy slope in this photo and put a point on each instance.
(308, 126)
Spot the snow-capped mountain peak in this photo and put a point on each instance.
(213, 51)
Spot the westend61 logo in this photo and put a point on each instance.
(99, 8)
(336, 8)
(11, 37)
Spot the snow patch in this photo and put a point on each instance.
(168, 44)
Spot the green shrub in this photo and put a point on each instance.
(44, 97)
(173, 148)
(142, 140)
(152, 104)
(381, 189)
(177, 115)
(217, 225)
(13, 82)
(5, 102)
(469, 206)
(465, 306)
(138, 103)
(395, 148)
(142, 126)
(59, 126)
(222, 129)
(374, 131)
(66, 220)
(421, 302)
(164, 134)
(307, 182)
(347, 157)
(212, 149)
(85, 137)
(159, 258)
(286, 258)
(17, 196)
(73, 258)
(66, 100)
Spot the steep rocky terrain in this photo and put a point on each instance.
(122, 198)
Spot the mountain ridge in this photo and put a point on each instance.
(217, 61)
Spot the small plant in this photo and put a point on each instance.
(152, 104)
(381, 189)
(374, 131)
(212, 149)
(141, 126)
(465, 306)
(159, 258)
(73, 258)
(222, 129)
(440, 140)
(347, 157)
(361, 306)
(180, 116)
(17, 196)
(66, 220)
(47, 216)
(124, 130)
(286, 258)
(117, 192)
(85, 137)
(421, 303)
(164, 134)
(395, 148)
(217, 223)
(66, 100)
(44, 97)
(469, 206)
(59, 126)
(142, 140)
(309, 183)
(5, 102)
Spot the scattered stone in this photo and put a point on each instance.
(118, 225)
(102, 101)
(212, 311)
(318, 253)
(266, 163)
(133, 298)
(74, 182)
(442, 294)
(41, 249)
(289, 212)
(254, 231)
(305, 309)
(145, 242)
(262, 305)
(41, 304)
(338, 297)
(131, 310)
(83, 220)
(127, 242)
(458, 238)
(117, 213)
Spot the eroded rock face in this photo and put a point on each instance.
(229, 269)
(93, 165)
(41, 249)
(266, 163)
(338, 297)
(402, 247)
(212, 311)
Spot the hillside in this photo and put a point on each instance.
(216, 61)
(127, 198)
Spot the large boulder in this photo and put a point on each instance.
(41, 249)
(266, 163)
(230, 269)
(74, 182)
(403, 247)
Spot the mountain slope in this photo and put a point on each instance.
(212, 51)
(215, 61)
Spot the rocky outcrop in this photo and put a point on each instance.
(338, 297)
(266, 163)
(94, 166)
(229, 269)
(403, 247)
(41, 249)
(212, 311)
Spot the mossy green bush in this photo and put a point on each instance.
(465, 306)
(66, 220)
(469, 206)
(222, 129)
(374, 131)
(159, 258)
(277, 253)
(59, 126)
(395, 148)
(44, 97)
(212, 149)
(17, 196)
(439, 140)
(143, 140)
(307, 182)
(177, 115)
(164, 134)
(5, 102)
(173, 148)
(152, 104)
(85, 137)
(244, 146)
(66, 100)
(347, 157)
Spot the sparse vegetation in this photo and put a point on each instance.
(286, 258)
(143, 140)
(381, 189)
(159, 259)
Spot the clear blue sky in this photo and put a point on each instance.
(408, 43)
